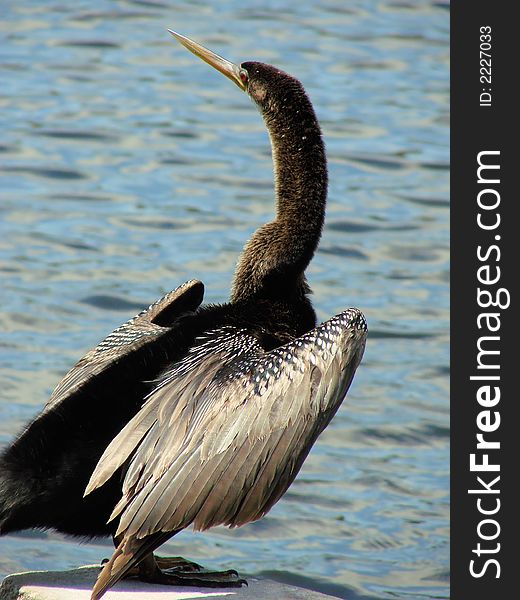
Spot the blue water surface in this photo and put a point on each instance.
(128, 166)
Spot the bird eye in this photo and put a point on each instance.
(244, 76)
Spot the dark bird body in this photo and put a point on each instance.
(195, 414)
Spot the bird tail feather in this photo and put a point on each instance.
(128, 554)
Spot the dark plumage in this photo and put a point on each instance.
(191, 414)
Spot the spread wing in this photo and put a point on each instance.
(145, 328)
(223, 435)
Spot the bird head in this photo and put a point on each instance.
(269, 87)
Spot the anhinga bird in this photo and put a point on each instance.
(198, 415)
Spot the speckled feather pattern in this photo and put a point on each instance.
(133, 335)
(228, 394)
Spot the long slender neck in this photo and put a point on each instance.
(273, 262)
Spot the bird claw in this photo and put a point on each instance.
(231, 572)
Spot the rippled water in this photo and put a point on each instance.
(128, 166)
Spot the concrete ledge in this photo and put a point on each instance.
(76, 584)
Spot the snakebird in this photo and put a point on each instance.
(193, 414)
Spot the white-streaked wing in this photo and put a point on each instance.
(224, 434)
(143, 329)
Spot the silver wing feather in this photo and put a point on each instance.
(143, 329)
(225, 432)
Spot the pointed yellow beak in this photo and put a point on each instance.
(227, 68)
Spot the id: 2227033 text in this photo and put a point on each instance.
(485, 65)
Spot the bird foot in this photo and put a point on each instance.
(175, 570)
(212, 579)
(166, 563)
